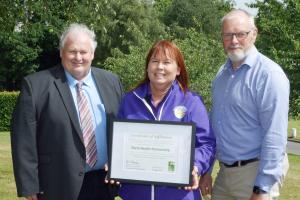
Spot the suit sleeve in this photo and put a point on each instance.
(23, 142)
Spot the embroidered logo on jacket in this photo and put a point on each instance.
(179, 111)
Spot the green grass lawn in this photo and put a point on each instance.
(7, 181)
(290, 190)
(291, 187)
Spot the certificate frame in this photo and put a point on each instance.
(151, 152)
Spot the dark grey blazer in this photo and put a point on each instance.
(47, 145)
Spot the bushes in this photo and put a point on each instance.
(7, 104)
(295, 106)
(203, 57)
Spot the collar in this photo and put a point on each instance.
(144, 90)
(87, 81)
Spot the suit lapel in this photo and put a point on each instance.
(66, 96)
(103, 90)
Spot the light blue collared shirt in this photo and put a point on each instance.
(250, 115)
(99, 117)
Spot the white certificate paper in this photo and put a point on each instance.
(152, 152)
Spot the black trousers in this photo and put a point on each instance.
(94, 188)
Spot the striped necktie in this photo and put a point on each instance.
(87, 126)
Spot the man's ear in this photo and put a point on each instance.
(255, 32)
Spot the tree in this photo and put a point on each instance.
(279, 33)
(18, 58)
(161, 6)
(29, 40)
(203, 15)
(203, 57)
(129, 66)
(127, 24)
(32, 28)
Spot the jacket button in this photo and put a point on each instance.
(80, 174)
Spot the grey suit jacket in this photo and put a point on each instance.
(47, 145)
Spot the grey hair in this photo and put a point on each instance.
(234, 11)
(77, 28)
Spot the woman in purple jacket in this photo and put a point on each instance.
(164, 95)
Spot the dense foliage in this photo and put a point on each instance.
(203, 15)
(279, 38)
(126, 29)
(7, 103)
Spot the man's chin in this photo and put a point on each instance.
(79, 74)
(237, 57)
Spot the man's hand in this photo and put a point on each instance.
(205, 184)
(32, 197)
(195, 180)
(259, 197)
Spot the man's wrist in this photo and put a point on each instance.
(258, 190)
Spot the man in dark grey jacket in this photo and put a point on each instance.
(48, 145)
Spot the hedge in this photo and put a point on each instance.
(7, 104)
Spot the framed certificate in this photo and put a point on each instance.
(151, 152)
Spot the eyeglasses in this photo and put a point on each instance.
(240, 35)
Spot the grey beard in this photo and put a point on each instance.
(238, 57)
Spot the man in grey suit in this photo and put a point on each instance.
(49, 148)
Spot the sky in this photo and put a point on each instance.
(241, 4)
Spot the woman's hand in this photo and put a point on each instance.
(32, 197)
(259, 197)
(109, 181)
(195, 180)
